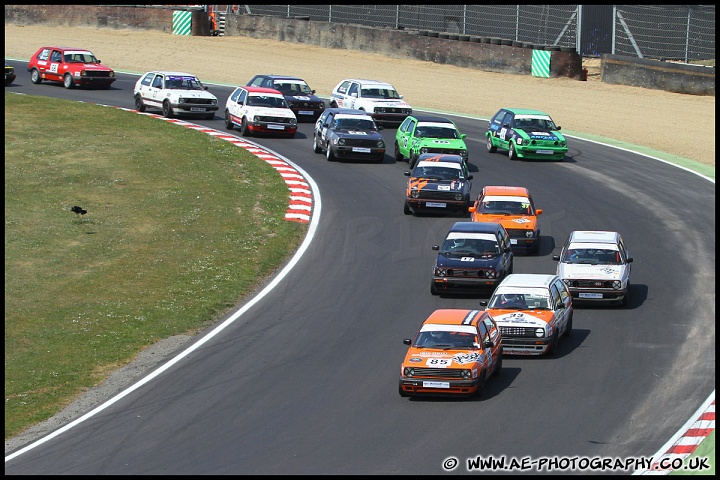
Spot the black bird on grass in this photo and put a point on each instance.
(78, 210)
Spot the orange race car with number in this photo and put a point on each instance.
(454, 353)
(514, 209)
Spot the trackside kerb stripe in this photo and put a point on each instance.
(300, 202)
(684, 444)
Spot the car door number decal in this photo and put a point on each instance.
(503, 133)
(54, 67)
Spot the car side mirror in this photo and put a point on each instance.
(312, 92)
(380, 127)
(556, 258)
(469, 177)
(472, 209)
(401, 96)
(436, 247)
(483, 303)
(558, 128)
(629, 260)
(354, 94)
(538, 211)
(407, 174)
(98, 60)
(463, 136)
(407, 341)
(488, 344)
(560, 305)
(506, 125)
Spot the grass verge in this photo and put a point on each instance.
(180, 227)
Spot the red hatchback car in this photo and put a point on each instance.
(71, 66)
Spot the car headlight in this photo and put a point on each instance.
(181, 100)
(214, 101)
(414, 193)
(440, 272)
(466, 374)
(341, 141)
(83, 73)
(519, 141)
(381, 144)
(424, 150)
(540, 332)
(409, 372)
(463, 154)
(458, 197)
(488, 273)
(529, 234)
(617, 285)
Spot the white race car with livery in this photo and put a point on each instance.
(175, 94)
(379, 99)
(260, 111)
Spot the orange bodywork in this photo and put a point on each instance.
(517, 222)
(461, 366)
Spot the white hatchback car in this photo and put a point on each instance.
(260, 111)
(596, 265)
(533, 310)
(378, 99)
(175, 94)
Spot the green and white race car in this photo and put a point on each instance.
(524, 133)
(428, 134)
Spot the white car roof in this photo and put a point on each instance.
(437, 124)
(594, 236)
(182, 74)
(426, 163)
(441, 327)
(265, 94)
(366, 82)
(594, 246)
(505, 198)
(353, 116)
(532, 280)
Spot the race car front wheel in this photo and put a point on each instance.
(228, 122)
(490, 147)
(35, 76)
(511, 151)
(68, 81)
(139, 105)
(398, 155)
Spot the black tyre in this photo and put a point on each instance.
(407, 210)
(481, 385)
(433, 290)
(498, 367)
(167, 110)
(552, 350)
(490, 147)
(139, 105)
(568, 329)
(626, 297)
(35, 76)
(228, 122)
(398, 156)
(402, 392)
(511, 151)
(412, 161)
(316, 145)
(329, 153)
(244, 128)
(68, 81)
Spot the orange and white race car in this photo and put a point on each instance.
(533, 310)
(454, 353)
(513, 207)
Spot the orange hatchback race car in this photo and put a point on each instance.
(454, 353)
(514, 209)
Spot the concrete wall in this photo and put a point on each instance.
(658, 75)
(467, 52)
